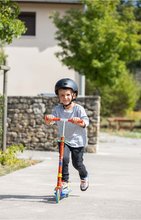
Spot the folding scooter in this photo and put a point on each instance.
(59, 192)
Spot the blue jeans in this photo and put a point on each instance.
(77, 162)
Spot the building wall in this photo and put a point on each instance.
(34, 68)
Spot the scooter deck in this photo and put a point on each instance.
(65, 192)
(61, 194)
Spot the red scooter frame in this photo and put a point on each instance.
(59, 194)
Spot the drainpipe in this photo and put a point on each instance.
(82, 77)
(82, 85)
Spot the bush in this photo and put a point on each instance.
(120, 98)
(9, 157)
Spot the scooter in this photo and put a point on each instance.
(59, 192)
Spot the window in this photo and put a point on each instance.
(29, 19)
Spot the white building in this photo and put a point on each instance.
(34, 68)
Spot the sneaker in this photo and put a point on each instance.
(65, 185)
(84, 184)
(65, 189)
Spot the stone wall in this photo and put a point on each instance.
(26, 123)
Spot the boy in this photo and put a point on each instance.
(75, 133)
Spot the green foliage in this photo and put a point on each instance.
(10, 26)
(2, 56)
(119, 98)
(9, 157)
(137, 12)
(138, 105)
(99, 42)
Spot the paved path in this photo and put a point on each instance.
(114, 192)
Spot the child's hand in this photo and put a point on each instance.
(78, 121)
(48, 119)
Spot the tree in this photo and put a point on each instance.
(10, 26)
(99, 42)
(119, 98)
(135, 5)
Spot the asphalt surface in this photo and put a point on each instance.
(114, 192)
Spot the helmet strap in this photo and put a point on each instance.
(64, 106)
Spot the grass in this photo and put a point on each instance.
(10, 162)
(124, 133)
(6, 169)
(135, 133)
(136, 115)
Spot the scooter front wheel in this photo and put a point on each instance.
(57, 196)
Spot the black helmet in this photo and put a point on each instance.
(66, 83)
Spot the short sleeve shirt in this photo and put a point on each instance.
(75, 136)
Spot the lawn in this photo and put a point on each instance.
(5, 169)
(10, 162)
(123, 133)
(135, 133)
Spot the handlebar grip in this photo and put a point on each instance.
(72, 121)
(52, 119)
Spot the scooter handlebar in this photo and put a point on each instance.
(62, 119)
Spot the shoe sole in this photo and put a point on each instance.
(85, 188)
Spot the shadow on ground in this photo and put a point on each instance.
(31, 198)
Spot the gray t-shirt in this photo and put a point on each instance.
(75, 136)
